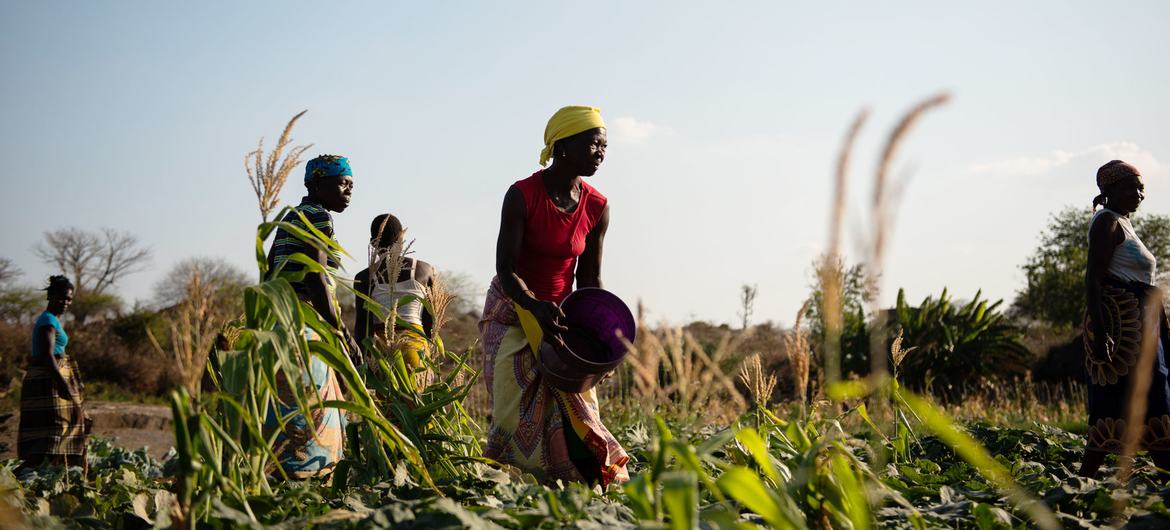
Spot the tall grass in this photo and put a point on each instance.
(671, 368)
(882, 391)
(194, 327)
(223, 441)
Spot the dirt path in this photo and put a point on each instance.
(129, 425)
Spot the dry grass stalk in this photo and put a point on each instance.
(898, 354)
(751, 374)
(880, 189)
(712, 375)
(881, 219)
(644, 359)
(1021, 401)
(268, 175)
(831, 295)
(799, 353)
(197, 322)
(441, 300)
(231, 333)
(645, 369)
(837, 211)
(671, 368)
(386, 264)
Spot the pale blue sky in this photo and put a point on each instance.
(724, 118)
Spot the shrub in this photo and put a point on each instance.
(856, 293)
(102, 355)
(955, 344)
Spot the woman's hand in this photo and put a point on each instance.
(1103, 345)
(355, 350)
(548, 315)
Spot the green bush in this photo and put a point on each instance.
(1055, 272)
(856, 294)
(954, 345)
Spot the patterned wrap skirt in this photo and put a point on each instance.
(50, 423)
(415, 347)
(1136, 321)
(535, 427)
(306, 450)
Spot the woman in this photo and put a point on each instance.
(53, 424)
(551, 233)
(414, 279)
(313, 450)
(1125, 328)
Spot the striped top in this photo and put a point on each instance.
(1132, 261)
(287, 244)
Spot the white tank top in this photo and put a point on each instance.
(388, 295)
(1132, 261)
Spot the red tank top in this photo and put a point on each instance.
(553, 239)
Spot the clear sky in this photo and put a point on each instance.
(725, 118)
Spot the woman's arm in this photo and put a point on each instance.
(508, 245)
(430, 274)
(317, 285)
(1104, 236)
(589, 265)
(361, 323)
(321, 298)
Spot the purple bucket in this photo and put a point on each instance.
(598, 321)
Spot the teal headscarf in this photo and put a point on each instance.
(327, 166)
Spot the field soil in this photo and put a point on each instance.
(128, 425)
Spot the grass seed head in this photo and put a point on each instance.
(269, 176)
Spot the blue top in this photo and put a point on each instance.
(49, 319)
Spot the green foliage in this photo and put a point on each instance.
(766, 472)
(224, 445)
(1055, 273)
(18, 304)
(89, 304)
(413, 459)
(856, 293)
(132, 327)
(950, 344)
(784, 474)
(907, 405)
(954, 344)
(124, 489)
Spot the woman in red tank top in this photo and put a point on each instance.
(551, 233)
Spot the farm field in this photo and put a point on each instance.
(730, 448)
(606, 266)
(761, 469)
(725, 428)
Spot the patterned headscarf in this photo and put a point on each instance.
(327, 166)
(574, 119)
(1113, 172)
(1109, 174)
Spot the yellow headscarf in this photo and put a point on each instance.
(568, 121)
